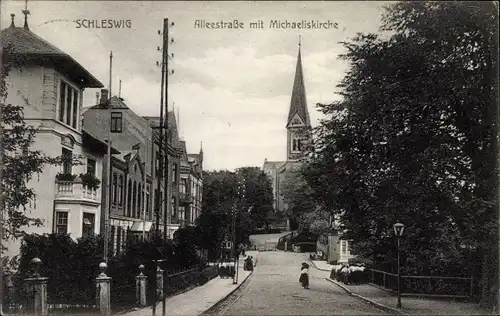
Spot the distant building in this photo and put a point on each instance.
(174, 153)
(133, 136)
(297, 126)
(49, 84)
(196, 184)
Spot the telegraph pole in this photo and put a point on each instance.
(108, 171)
(167, 183)
(160, 145)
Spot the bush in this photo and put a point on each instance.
(368, 263)
(71, 267)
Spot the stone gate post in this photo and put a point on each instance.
(37, 290)
(103, 283)
(140, 286)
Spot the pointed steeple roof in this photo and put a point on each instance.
(298, 102)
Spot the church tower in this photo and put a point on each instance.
(298, 123)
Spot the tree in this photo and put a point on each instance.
(298, 198)
(415, 140)
(257, 207)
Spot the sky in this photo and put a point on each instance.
(231, 87)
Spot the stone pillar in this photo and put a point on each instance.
(286, 245)
(140, 287)
(159, 283)
(37, 290)
(103, 284)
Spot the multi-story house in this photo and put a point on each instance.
(196, 184)
(49, 84)
(189, 205)
(134, 172)
(173, 153)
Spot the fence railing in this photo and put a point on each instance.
(178, 282)
(438, 286)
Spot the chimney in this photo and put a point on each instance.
(104, 96)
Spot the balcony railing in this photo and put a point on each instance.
(75, 190)
(185, 198)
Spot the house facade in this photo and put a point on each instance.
(49, 85)
(134, 172)
(196, 184)
(171, 164)
(191, 186)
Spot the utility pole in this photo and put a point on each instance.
(160, 145)
(167, 183)
(108, 171)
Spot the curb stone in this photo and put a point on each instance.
(314, 265)
(381, 306)
(230, 293)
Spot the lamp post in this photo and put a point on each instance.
(398, 231)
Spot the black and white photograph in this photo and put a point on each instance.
(224, 158)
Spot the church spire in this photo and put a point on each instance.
(298, 102)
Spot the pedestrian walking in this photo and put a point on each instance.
(304, 275)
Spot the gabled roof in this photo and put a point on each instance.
(33, 48)
(116, 103)
(298, 102)
(184, 157)
(173, 133)
(130, 156)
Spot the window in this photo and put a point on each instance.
(183, 186)
(139, 201)
(114, 187)
(91, 166)
(61, 222)
(88, 224)
(157, 164)
(148, 200)
(296, 145)
(134, 199)
(62, 97)
(69, 103)
(129, 198)
(174, 173)
(75, 108)
(173, 207)
(120, 189)
(116, 122)
(67, 157)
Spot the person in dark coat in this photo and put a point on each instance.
(304, 275)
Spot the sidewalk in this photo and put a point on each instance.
(201, 298)
(411, 305)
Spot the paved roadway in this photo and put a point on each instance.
(274, 289)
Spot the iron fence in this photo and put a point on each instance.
(433, 286)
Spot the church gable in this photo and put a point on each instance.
(296, 121)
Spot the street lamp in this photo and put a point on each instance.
(398, 231)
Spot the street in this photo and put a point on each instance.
(273, 289)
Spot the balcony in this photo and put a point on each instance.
(76, 191)
(185, 198)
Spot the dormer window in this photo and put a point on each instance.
(69, 104)
(116, 122)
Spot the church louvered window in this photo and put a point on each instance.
(296, 145)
